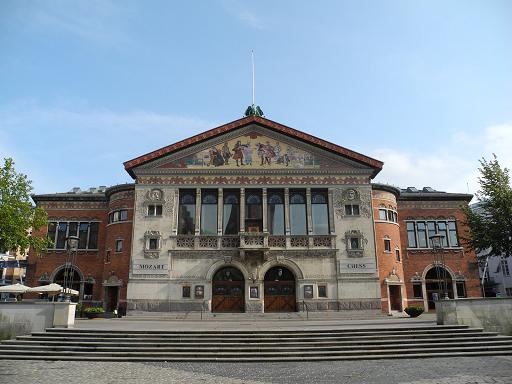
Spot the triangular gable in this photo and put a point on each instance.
(251, 150)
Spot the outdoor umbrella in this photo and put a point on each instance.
(49, 289)
(71, 291)
(15, 288)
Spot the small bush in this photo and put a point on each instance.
(94, 310)
(414, 311)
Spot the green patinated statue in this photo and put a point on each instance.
(253, 110)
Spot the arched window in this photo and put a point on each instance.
(275, 208)
(319, 212)
(231, 214)
(253, 211)
(208, 212)
(298, 220)
(187, 213)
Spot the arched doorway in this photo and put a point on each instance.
(228, 290)
(435, 281)
(69, 277)
(279, 290)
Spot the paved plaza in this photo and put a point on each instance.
(461, 370)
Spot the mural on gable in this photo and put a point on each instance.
(250, 151)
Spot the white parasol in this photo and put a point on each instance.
(15, 288)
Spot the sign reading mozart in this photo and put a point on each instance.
(150, 267)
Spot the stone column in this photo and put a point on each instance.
(242, 209)
(264, 207)
(220, 215)
(198, 217)
(330, 208)
(309, 214)
(176, 207)
(287, 216)
(220, 210)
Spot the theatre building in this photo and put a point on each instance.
(251, 216)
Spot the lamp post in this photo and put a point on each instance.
(437, 247)
(69, 272)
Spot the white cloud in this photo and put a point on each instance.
(243, 14)
(61, 147)
(100, 21)
(452, 167)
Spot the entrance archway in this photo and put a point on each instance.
(69, 277)
(228, 290)
(279, 287)
(435, 280)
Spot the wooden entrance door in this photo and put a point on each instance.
(228, 291)
(395, 297)
(279, 290)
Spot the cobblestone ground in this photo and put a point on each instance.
(461, 370)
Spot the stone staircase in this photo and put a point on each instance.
(256, 345)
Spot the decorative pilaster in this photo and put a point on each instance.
(174, 224)
(309, 214)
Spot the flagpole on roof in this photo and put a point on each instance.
(252, 60)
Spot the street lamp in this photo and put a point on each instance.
(69, 272)
(437, 247)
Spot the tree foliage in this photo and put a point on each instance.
(18, 217)
(490, 221)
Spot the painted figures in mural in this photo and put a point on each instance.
(247, 151)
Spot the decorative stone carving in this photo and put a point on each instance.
(154, 196)
(341, 197)
(362, 241)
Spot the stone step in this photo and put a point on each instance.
(277, 338)
(290, 330)
(241, 359)
(214, 355)
(355, 341)
(252, 348)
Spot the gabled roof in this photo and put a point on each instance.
(269, 124)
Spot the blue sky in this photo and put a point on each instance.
(425, 86)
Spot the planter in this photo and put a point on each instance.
(92, 315)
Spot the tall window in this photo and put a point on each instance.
(419, 233)
(208, 212)
(187, 213)
(87, 233)
(387, 245)
(275, 214)
(298, 221)
(253, 211)
(320, 212)
(231, 214)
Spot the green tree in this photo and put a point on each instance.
(490, 222)
(18, 217)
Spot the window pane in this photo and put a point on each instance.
(411, 236)
(441, 226)
(417, 291)
(82, 234)
(61, 236)
(422, 234)
(231, 219)
(73, 228)
(390, 215)
(158, 210)
(461, 289)
(276, 218)
(151, 210)
(298, 222)
(348, 210)
(209, 219)
(153, 243)
(52, 230)
(124, 214)
(387, 245)
(187, 219)
(119, 245)
(355, 209)
(454, 241)
(354, 243)
(397, 254)
(93, 235)
(382, 214)
(320, 219)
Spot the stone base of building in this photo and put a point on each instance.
(253, 307)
